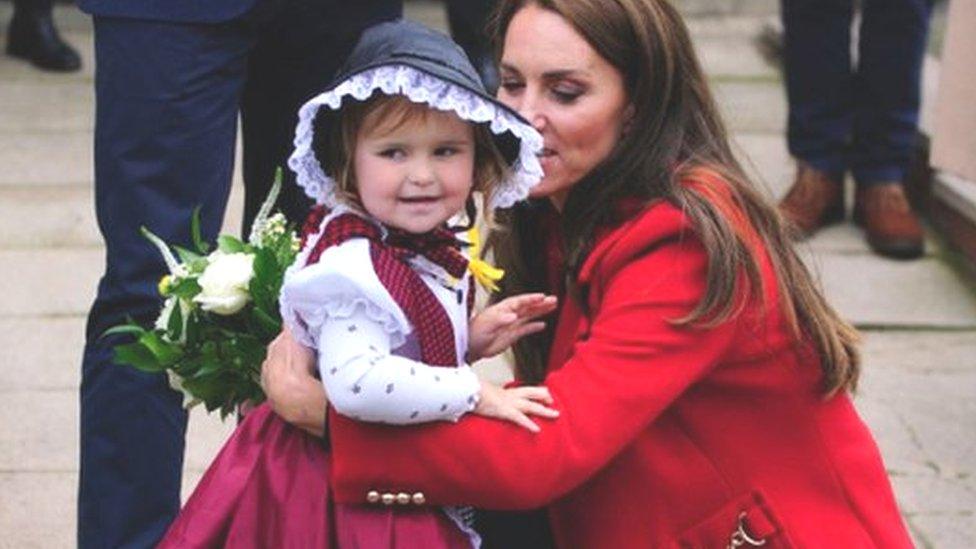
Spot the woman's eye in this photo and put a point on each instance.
(566, 95)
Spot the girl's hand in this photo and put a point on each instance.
(499, 326)
(515, 404)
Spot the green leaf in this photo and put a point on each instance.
(174, 328)
(137, 356)
(268, 326)
(185, 288)
(164, 352)
(133, 329)
(186, 256)
(229, 244)
(201, 246)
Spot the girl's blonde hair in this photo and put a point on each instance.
(335, 147)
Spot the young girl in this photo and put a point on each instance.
(382, 291)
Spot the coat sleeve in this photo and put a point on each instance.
(632, 365)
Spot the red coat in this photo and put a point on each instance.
(668, 436)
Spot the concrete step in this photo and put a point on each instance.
(65, 105)
(46, 158)
(68, 214)
(51, 442)
(871, 291)
(922, 414)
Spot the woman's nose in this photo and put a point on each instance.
(530, 107)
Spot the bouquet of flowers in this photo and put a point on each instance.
(219, 314)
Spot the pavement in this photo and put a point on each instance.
(918, 318)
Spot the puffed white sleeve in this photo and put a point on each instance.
(339, 307)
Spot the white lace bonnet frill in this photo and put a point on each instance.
(419, 87)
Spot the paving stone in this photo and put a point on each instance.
(68, 214)
(49, 282)
(944, 531)
(732, 27)
(752, 107)
(39, 431)
(46, 158)
(41, 353)
(738, 58)
(927, 382)
(38, 510)
(873, 291)
(51, 442)
(68, 105)
(205, 436)
(766, 159)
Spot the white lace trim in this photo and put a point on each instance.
(419, 87)
(463, 518)
(305, 321)
(312, 319)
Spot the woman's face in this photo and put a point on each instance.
(572, 95)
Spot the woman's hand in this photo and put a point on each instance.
(515, 404)
(499, 326)
(293, 392)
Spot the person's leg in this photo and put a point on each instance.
(888, 88)
(817, 65)
(33, 36)
(468, 20)
(296, 58)
(167, 99)
(816, 48)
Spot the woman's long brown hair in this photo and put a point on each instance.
(675, 137)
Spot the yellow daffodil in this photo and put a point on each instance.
(486, 274)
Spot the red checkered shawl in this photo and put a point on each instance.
(430, 321)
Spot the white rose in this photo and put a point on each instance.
(224, 283)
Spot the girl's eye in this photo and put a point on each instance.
(512, 86)
(393, 154)
(445, 151)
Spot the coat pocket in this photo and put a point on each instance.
(745, 522)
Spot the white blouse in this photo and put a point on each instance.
(339, 307)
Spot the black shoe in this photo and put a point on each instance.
(33, 36)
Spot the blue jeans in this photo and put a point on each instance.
(168, 97)
(861, 119)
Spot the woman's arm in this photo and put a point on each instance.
(292, 391)
(634, 363)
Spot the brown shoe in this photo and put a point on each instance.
(814, 201)
(892, 227)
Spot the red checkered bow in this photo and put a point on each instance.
(425, 313)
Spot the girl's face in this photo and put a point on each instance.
(572, 95)
(418, 175)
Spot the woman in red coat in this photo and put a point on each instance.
(701, 377)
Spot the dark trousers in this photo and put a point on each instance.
(861, 119)
(168, 97)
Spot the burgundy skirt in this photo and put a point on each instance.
(269, 487)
